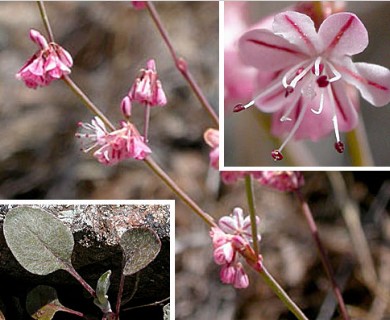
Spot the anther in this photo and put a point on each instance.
(322, 81)
(277, 155)
(339, 146)
(239, 107)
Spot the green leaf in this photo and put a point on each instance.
(166, 310)
(102, 286)
(42, 303)
(40, 242)
(140, 247)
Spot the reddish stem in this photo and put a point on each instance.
(181, 64)
(322, 252)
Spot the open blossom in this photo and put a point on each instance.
(281, 180)
(314, 70)
(114, 146)
(147, 88)
(49, 63)
(232, 237)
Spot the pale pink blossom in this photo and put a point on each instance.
(49, 63)
(313, 70)
(147, 88)
(231, 239)
(112, 147)
(138, 4)
(281, 180)
(211, 137)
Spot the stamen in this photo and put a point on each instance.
(277, 155)
(239, 107)
(321, 105)
(318, 67)
(296, 69)
(337, 74)
(339, 146)
(289, 90)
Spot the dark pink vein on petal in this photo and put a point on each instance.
(301, 33)
(338, 105)
(269, 45)
(363, 80)
(341, 32)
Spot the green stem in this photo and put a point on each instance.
(252, 211)
(358, 146)
(88, 103)
(45, 20)
(179, 192)
(322, 253)
(181, 64)
(282, 295)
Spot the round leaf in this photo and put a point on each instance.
(140, 247)
(40, 242)
(42, 303)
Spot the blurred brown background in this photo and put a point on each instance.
(110, 42)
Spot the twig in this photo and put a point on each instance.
(181, 64)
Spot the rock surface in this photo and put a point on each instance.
(96, 229)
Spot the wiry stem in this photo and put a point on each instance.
(45, 20)
(86, 286)
(181, 64)
(322, 253)
(252, 211)
(179, 192)
(282, 295)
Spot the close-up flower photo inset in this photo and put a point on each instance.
(302, 67)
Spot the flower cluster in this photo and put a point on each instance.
(147, 88)
(314, 74)
(230, 239)
(49, 63)
(114, 146)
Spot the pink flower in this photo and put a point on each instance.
(237, 225)
(49, 63)
(211, 136)
(114, 146)
(281, 180)
(313, 69)
(147, 89)
(230, 239)
(138, 4)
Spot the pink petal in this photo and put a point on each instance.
(346, 112)
(298, 29)
(343, 34)
(228, 224)
(373, 81)
(268, 52)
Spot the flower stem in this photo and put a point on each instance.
(322, 253)
(359, 148)
(89, 104)
(282, 295)
(178, 191)
(252, 211)
(45, 20)
(120, 290)
(86, 286)
(181, 64)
